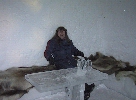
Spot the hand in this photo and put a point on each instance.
(82, 54)
(86, 58)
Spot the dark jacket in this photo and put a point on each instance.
(61, 53)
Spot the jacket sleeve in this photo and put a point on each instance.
(75, 51)
(48, 53)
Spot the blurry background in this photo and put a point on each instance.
(107, 26)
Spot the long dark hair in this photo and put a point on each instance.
(61, 28)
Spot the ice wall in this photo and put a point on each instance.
(118, 29)
(107, 26)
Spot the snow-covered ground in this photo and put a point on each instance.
(101, 92)
(109, 89)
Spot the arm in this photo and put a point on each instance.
(48, 53)
(75, 51)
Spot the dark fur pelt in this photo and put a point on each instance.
(109, 65)
(12, 81)
(12, 94)
(106, 64)
(129, 71)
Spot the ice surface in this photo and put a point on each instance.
(33, 94)
(47, 81)
(57, 96)
(109, 89)
(101, 92)
(51, 80)
(68, 79)
(124, 86)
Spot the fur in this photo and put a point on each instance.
(126, 72)
(109, 65)
(106, 64)
(13, 84)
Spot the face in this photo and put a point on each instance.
(61, 34)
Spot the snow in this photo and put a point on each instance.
(107, 26)
(101, 92)
(107, 89)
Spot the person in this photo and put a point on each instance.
(60, 50)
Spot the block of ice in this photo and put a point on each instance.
(124, 86)
(65, 78)
(101, 92)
